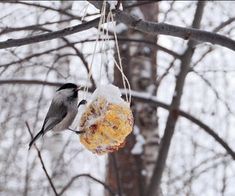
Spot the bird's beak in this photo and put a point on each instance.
(78, 88)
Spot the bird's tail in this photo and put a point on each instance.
(35, 138)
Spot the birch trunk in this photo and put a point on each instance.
(129, 169)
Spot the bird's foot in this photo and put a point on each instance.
(75, 131)
(82, 102)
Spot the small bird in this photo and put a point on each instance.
(62, 111)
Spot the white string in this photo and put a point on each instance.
(119, 66)
(126, 80)
(102, 44)
(94, 51)
(85, 8)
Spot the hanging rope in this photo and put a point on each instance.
(85, 8)
(105, 38)
(102, 43)
(125, 81)
(108, 119)
(102, 19)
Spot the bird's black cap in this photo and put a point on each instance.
(67, 86)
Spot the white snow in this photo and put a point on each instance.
(119, 28)
(144, 172)
(137, 12)
(112, 4)
(110, 92)
(140, 141)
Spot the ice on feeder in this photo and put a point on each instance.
(107, 121)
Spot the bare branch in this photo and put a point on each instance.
(61, 11)
(214, 91)
(88, 176)
(204, 162)
(176, 31)
(49, 36)
(224, 24)
(38, 82)
(132, 22)
(33, 56)
(30, 27)
(42, 163)
(172, 30)
(153, 100)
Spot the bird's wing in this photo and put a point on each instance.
(55, 114)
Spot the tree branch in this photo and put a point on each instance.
(167, 29)
(30, 27)
(224, 24)
(175, 31)
(88, 176)
(33, 56)
(42, 163)
(49, 36)
(37, 82)
(132, 22)
(61, 11)
(153, 100)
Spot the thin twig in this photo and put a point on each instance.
(49, 36)
(42, 163)
(88, 176)
(38, 82)
(61, 11)
(224, 24)
(216, 93)
(154, 28)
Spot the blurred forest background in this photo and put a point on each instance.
(183, 97)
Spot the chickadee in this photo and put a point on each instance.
(62, 111)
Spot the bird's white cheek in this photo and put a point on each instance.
(59, 98)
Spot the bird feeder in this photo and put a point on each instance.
(107, 121)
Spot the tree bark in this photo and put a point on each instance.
(134, 168)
